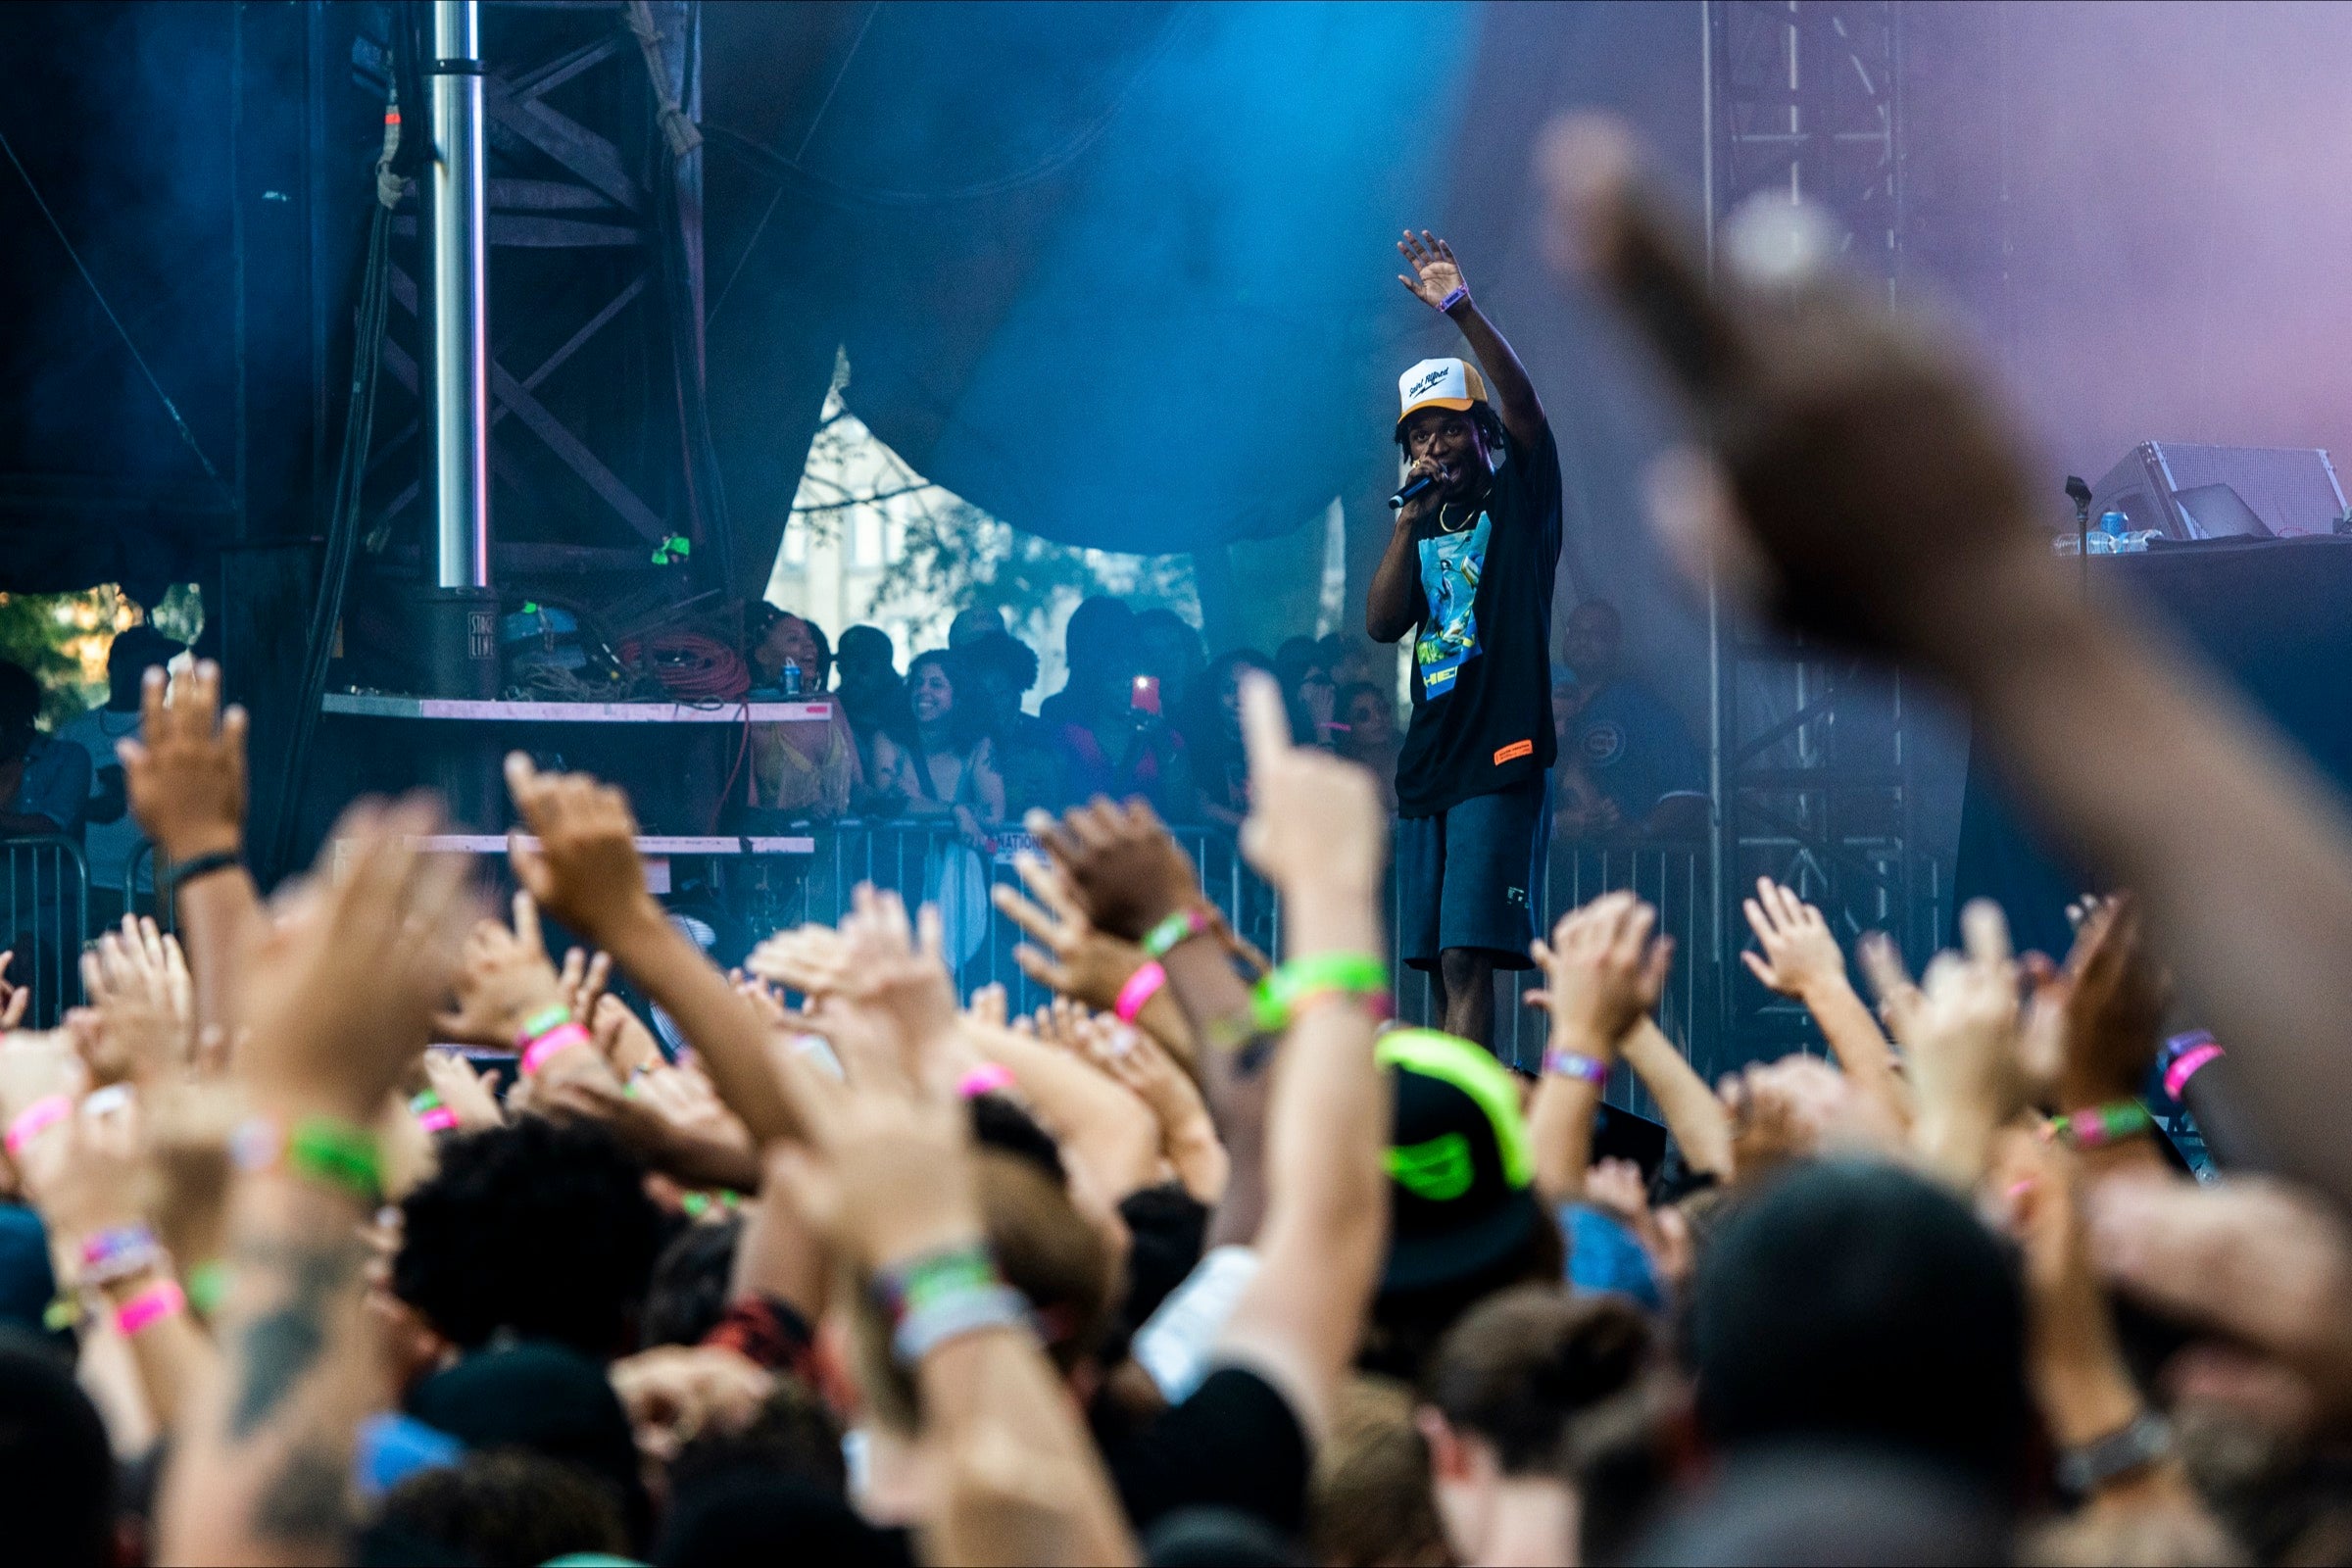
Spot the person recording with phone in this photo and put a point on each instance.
(1110, 736)
(1469, 571)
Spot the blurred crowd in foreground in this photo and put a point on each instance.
(1205, 1262)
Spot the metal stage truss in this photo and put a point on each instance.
(1814, 750)
(594, 196)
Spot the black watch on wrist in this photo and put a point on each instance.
(2140, 1442)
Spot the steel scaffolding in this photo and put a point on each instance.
(1812, 761)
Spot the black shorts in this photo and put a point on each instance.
(1467, 877)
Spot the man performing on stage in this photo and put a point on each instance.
(1470, 565)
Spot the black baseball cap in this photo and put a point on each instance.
(1462, 1170)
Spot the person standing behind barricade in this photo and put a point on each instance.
(873, 698)
(1001, 669)
(806, 776)
(111, 838)
(44, 780)
(1470, 565)
(1110, 736)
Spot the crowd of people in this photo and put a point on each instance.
(355, 1225)
(1145, 714)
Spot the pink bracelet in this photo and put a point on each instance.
(439, 1119)
(2184, 1066)
(164, 1298)
(563, 1036)
(35, 1119)
(989, 1078)
(1141, 987)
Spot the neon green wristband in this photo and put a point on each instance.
(337, 1153)
(1174, 931)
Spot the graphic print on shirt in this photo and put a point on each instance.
(1451, 565)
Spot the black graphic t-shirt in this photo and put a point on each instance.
(1482, 649)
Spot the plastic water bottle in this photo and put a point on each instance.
(792, 679)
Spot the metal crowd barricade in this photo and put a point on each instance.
(1673, 879)
(47, 910)
(930, 861)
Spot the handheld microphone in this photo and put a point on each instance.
(1413, 490)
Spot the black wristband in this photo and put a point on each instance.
(189, 870)
(2138, 1443)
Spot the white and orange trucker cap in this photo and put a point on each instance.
(1440, 384)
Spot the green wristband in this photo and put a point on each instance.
(208, 1286)
(2101, 1125)
(1174, 931)
(554, 1015)
(1357, 974)
(337, 1153)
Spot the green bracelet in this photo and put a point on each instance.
(1174, 931)
(2103, 1124)
(208, 1286)
(1283, 993)
(1355, 974)
(554, 1015)
(337, 1153)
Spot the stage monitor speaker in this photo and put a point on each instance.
(2186, 491)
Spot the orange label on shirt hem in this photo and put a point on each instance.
(1514, 751)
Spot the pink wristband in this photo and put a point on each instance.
(164, 1298)
(562, 1037)
(439, 1119)
(35, 1119)
(2185, 1068)
(989, 1078)
(1141, 987)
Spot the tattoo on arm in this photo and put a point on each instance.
(281, 1345)
(307, 1498)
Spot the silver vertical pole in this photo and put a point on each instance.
(461, 401)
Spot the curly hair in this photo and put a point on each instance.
(688, 1295)
(506, 1505)
(540, 1228)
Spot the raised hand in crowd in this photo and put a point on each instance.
(585, 871)
(1603, 969)
(1960, 1027)
(1075, 960)
(464, 1088)
(338, 1004)
(887, 1177)
(1798, 1108)
(2110, 1003)
(1188, 1138)
(14, 998)
(184, 778)
(139, 1025)
(1826, 413)
(1802, 959)
(504, 977)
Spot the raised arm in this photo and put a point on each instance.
(1602, 972)
(1318, 832)
(586, 872)
(1829, 414)
(1802, 959)
(1437, 281)
(1130, 879)
(185, 778)
(341, 994)
(1694, 1118)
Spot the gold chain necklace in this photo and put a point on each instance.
(1457, 528)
